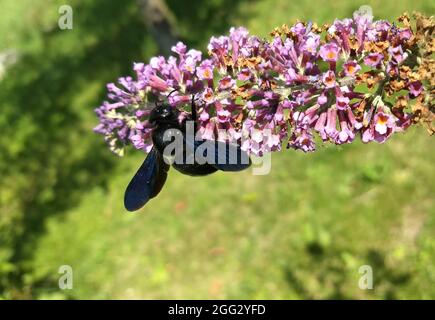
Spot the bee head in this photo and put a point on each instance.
(164, 113)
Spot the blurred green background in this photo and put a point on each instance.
(302, 231)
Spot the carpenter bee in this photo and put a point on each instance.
(151, 176)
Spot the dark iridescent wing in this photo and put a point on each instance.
(223, 156)
(160, 180)
(230, 157)
(147, 182)
(185, 161)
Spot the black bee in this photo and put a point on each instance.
(152, 174)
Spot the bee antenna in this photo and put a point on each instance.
(171, 93)
(160, 102)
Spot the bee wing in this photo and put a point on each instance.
(223, 156)
(147, 182)
(230, 157)
(163, 169)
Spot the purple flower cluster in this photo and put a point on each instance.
(354, 78)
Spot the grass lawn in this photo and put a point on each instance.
(302, 231)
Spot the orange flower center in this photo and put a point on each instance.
(382, 119)
(225, 82)
(373, 58)
(207, 73)
(331, 55)
(329, 81)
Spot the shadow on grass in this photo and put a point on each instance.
(62, 158)
(332, 276)
(199, 19)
